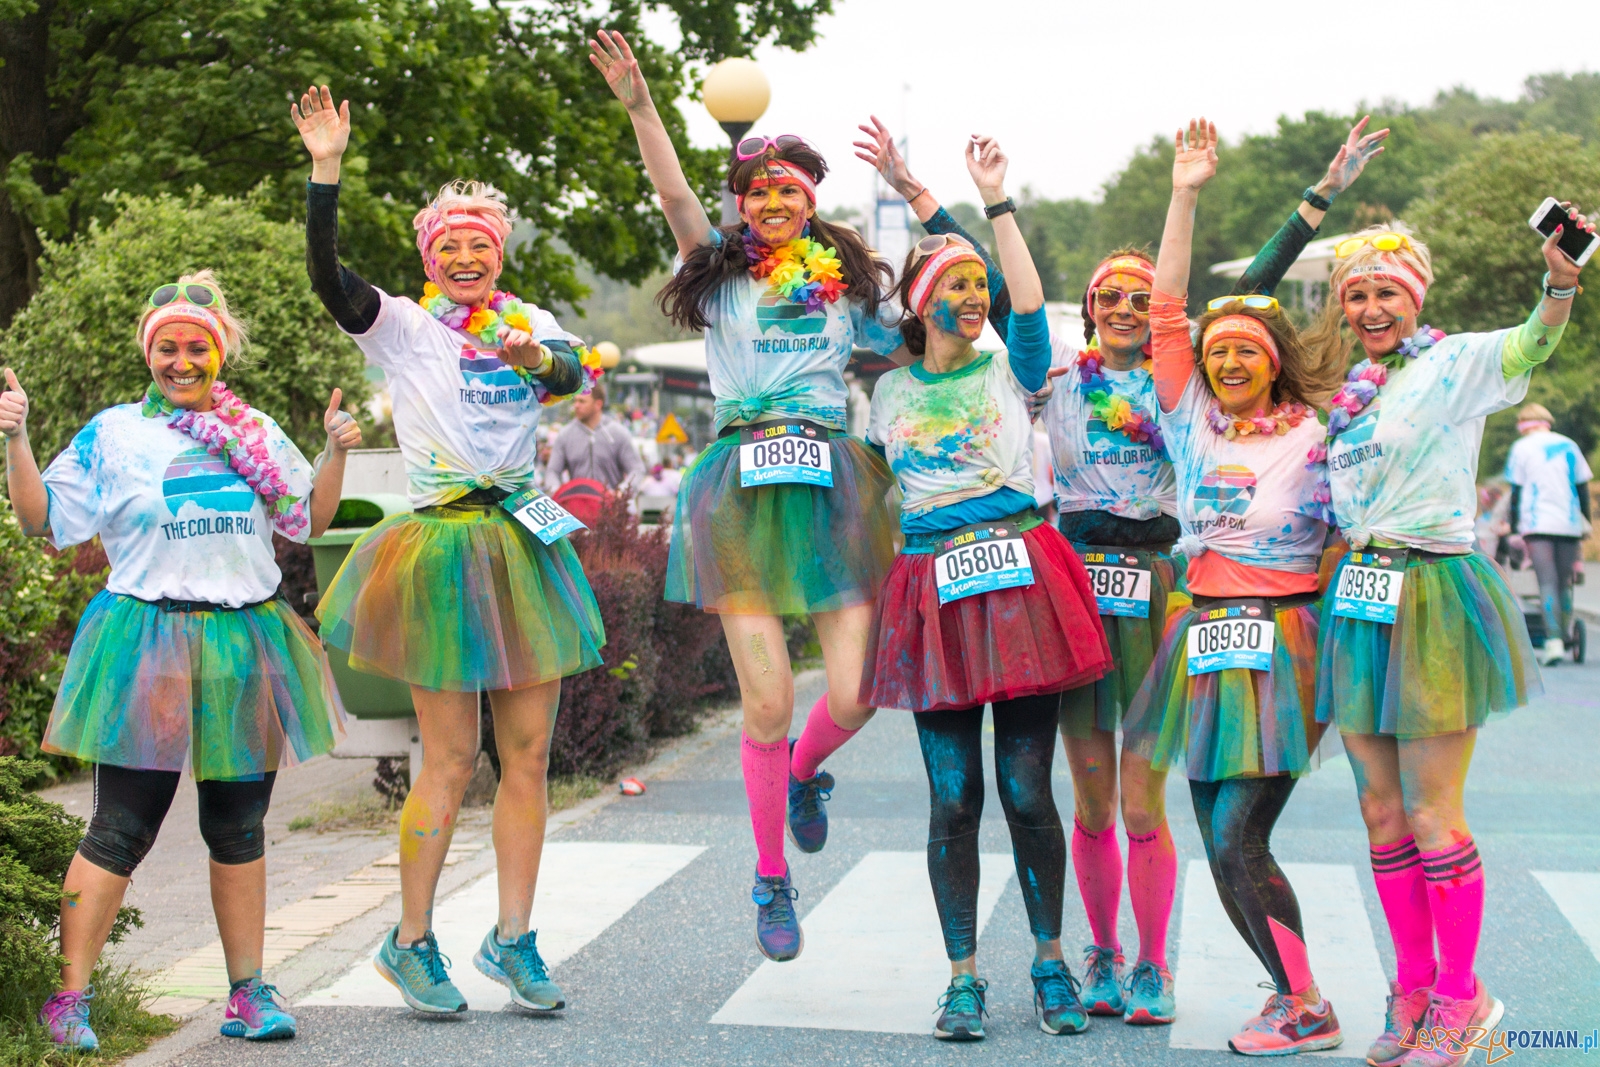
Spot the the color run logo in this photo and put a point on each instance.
(489, 379)
(1223, 496)
(1497, 1045)
(206, 481)
(1111, 448)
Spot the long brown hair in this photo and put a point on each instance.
(683, 299)
(1305, 376)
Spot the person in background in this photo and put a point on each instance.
(590, 447)
(1550, 509)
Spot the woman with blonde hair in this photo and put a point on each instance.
(462, 595)
(1422, 642)
(190, 655)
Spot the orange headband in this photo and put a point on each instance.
(1122, 265)
(1245, 328)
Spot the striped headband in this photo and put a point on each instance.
(441, 223)
(933, 267)
(1394, 269)
(782, 172)
(1246, 328)
(1133, 265)
(180, 311)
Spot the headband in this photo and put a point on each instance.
(180, 311)
(933, 267)
(1394, 269)
(782, 172)
(1122, 265)
(1524, 425)
(440, 222)
(1243, 327)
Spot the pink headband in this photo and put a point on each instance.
(1122, 265)
(937, 264)
(1246, 328)
(1528, 424)
(782, 172)
(441, 223)
(1394, 269)
(180, 311)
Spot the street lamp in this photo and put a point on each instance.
(736, 93)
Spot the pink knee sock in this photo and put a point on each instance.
(1097, 860)
(821, 738)
(1397, 869)
(1152, 883)
(1292, 951)
(1455, 897)
(766, 786)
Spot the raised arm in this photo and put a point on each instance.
(1531, 345)
(612, 57)
(1193, 164)
(1028, 333)
(325, 130)
(29, 498)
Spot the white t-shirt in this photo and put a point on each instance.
(1099, 469)
(951, 437)
(1404, 472)
(176, 521)
(463, 418)
(1547, 465)
(1252, 499)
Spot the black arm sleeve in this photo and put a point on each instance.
(1276, 257)
(349, 298)
(1514, 514)
(566, 377)
(1582, 489)
(999, 297)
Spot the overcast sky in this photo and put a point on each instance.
(1071, 89)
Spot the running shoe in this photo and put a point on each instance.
(1286, 1026)
(421, 973)
(961, 1017)
(519, 967)
(1403, 1016)
(1148, 998)
(1102, 980)
(778, 933)
(1055, 998)
(1553, 652)
(1454, 1018)
(808, 811)
(256, 1012)
(67, 1015)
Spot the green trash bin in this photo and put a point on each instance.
(366, 696)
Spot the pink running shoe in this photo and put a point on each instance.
(256, 1013)
(1286, 1026)
(67, 1015)
(1452, 1030)
(1404, 1015)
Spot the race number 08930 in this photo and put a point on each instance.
(1237, 635)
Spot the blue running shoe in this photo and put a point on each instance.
(519, 967)
(421, 973)
(1148, 999)
(256, 1013)
(67, 1015)
(1102, 980)
(778, 933)
(963, 1009)
(808, 812)
(1055, 998)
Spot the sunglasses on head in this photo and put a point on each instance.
(197, 293)
(1111, 299)
(935, 241)
(1383, 242)
(1255, 302)
(751, 147)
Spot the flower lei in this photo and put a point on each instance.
(802, 271)
(489, 325)
(1362, 383)
(1111, 407)
(241, 439)
(1280, 420)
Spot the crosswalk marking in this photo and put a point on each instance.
(1577, 894)
(584, 887)
(1217, 974)
(874, 958)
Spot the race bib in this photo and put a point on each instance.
(549, 521)
(1369, 585)
(981, 558)
(793, 451)
(1235, 633)
(1120, 578)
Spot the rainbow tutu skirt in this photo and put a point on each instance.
(462, 597)
(1456, 655)
(1000, 645)
(235, 694)
(1102, 704)
(1232, 723)
(785, 549)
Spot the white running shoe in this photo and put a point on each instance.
(1553, 651)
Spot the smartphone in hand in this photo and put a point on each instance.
(1577, 243)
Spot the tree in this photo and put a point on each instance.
(152, 96)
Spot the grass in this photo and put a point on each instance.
(369, 811)
(117, 1014)
(569, 789)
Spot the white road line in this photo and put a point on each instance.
(1217, 974)
(584, 887)
(1577, 894)
(874, 958)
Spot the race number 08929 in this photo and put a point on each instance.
(787, 452)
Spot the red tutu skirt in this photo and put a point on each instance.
(999, 645)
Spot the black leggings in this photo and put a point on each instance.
(1024, 748)
(1236, 819)
(129, 806)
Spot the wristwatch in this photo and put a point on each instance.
(1317, 200)
(994, 211)
(1559, 294)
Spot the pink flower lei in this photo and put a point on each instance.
(232, 432)
(1280, 420)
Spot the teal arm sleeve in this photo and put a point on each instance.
(1276, 257)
